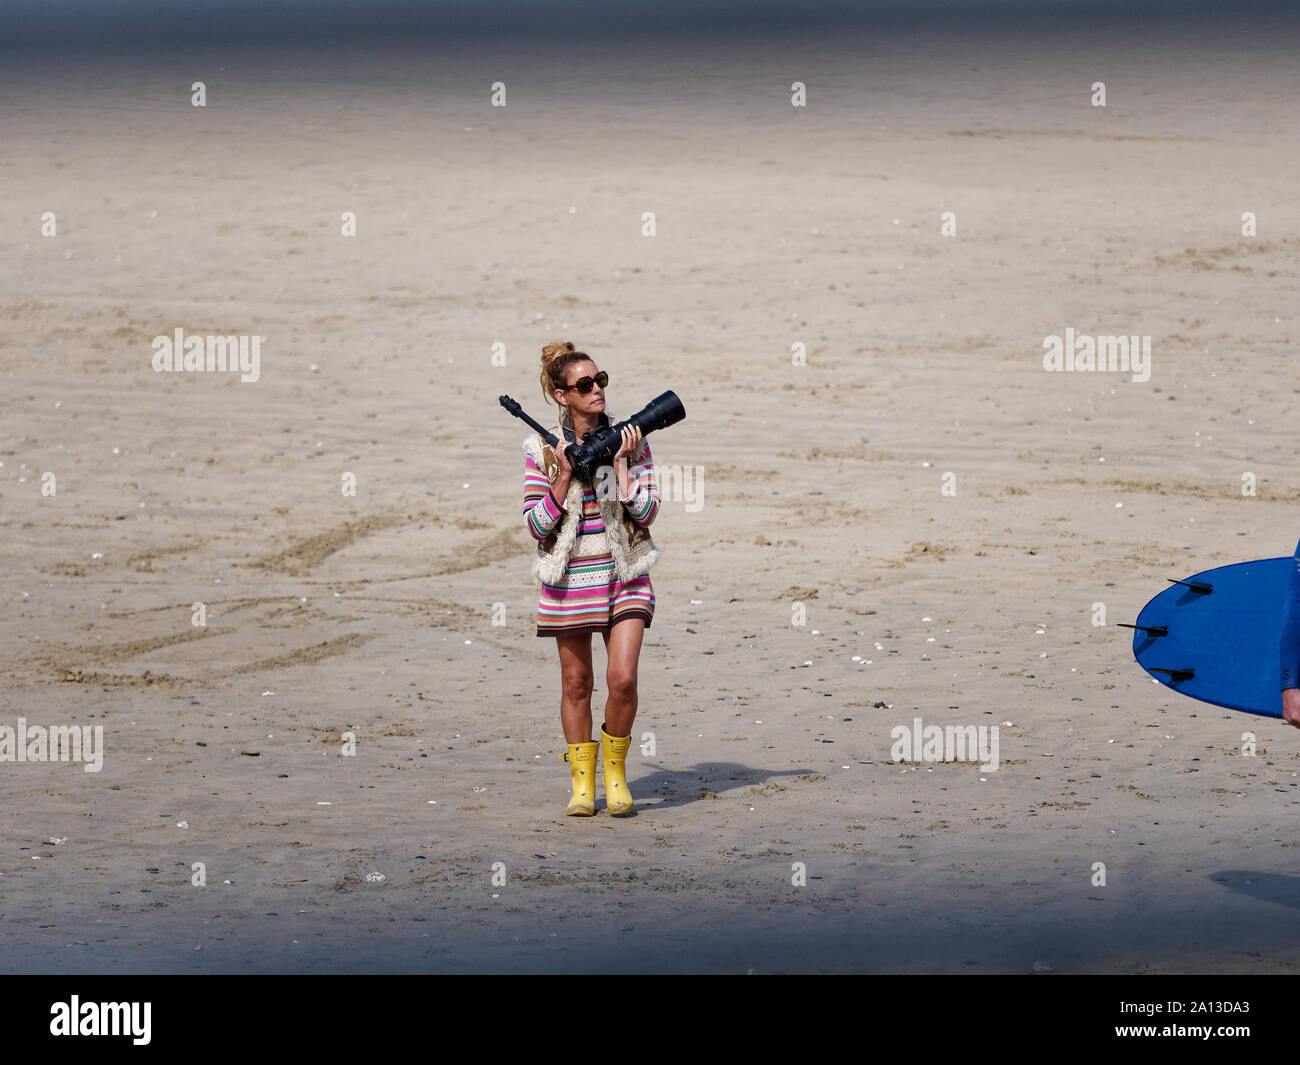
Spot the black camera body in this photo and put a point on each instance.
(599, 446)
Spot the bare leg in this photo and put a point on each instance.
(623, 648)
(576, 683)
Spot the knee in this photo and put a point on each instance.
(577, 685)
(622, 684)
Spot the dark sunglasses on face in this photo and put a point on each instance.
(584, 384)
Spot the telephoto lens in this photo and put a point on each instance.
(599, 446)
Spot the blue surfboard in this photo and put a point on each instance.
(1214, 636)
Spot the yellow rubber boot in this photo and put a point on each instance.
(582, 773)
(618, 800)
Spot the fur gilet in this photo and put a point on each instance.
(633, 550)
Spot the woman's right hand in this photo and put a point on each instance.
(565, 474)
(1291, 706)
(562, 456)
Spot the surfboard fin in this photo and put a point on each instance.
(1150, 630)
(1174, 674)
(1196, 586)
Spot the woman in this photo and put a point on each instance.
(594, 555)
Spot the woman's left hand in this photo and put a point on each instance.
(631, 442)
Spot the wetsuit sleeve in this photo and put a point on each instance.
(541, 509)
(1290, 638)
(643, 503)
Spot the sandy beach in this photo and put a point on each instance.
(941, 513)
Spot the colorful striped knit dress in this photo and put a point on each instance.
(590, 597)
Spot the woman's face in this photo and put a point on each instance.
(594, 401)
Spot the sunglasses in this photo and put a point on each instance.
(584, 384)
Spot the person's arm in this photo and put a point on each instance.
(641, 493)
(1289, 645)
(542, 511)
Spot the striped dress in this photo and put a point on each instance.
(590, 597)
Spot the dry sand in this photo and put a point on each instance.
(373, 614)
